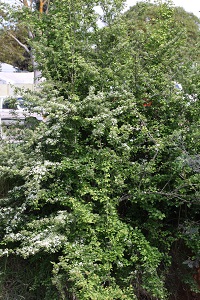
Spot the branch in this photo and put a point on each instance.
(25, 2)
(47, 10)
(171, 195)
(21, 44)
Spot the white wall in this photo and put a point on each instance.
(8, 89)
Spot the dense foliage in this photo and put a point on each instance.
(101, 201)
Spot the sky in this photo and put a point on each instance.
(189, 5)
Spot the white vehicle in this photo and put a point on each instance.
(13, 112)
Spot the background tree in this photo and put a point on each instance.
(15, 33)
(12, 53)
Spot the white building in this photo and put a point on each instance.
(10, 78)
(7, 68)
(16, 78)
